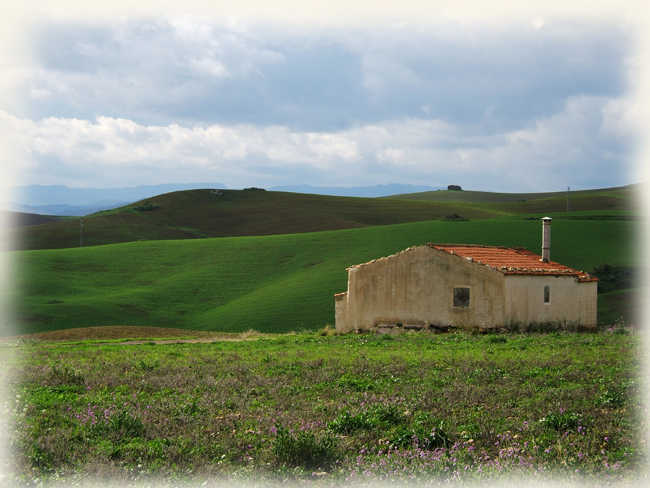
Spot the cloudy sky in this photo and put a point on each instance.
(523, 102)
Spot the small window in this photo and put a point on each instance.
(461, 297)
(547, 294)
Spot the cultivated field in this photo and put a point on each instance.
(413, 408)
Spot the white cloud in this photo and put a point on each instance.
(587, 144)
(210, 66)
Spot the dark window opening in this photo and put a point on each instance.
(461, 297)
(547, 294)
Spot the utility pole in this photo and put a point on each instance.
(81, 232)
(568, 199)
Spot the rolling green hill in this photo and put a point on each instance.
(269, 283)
(623, 192)
(198, 214)
(22, 219)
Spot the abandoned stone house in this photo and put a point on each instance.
(442, 285)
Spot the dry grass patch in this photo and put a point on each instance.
(117, 332)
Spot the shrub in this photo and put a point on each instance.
(250, 333)
(562, 421)
(145, 366)
(454, 218)
(327, 331)
(612, 278)
(41, 459)
(350, 382)
(378, 417)
(544, 327)
(612, 398)
(303, 450)
(494, 339)
(406, 437)
(187, 410)
(147, 207)
(68, 375)
(126, 425)
(347, 424)
(386, 415)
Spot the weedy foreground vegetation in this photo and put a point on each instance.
(315, 408)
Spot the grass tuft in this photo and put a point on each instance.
(562, 421)
(304, 449)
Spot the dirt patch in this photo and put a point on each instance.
(37, 317)
(112, 333)
(133, 309)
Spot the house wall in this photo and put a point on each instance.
(570, 300)
(588, 304)
(341, 311)
(415, 287)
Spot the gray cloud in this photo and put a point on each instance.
(192, 72)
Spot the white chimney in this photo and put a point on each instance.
(546, 239)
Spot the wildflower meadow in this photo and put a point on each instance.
(415, 408)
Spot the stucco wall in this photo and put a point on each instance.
(589, 304)
(341, 311)
(415, 287)
(570, 301)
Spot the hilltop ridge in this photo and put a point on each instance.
(204, 213)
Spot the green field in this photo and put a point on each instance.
(412, 409)
(269, 283)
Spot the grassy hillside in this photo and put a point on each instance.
(272, 283)
(200, 214)
(22, 219)
(625, 192)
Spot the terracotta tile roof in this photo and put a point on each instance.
(510, 260)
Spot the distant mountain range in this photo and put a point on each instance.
(61, 200)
